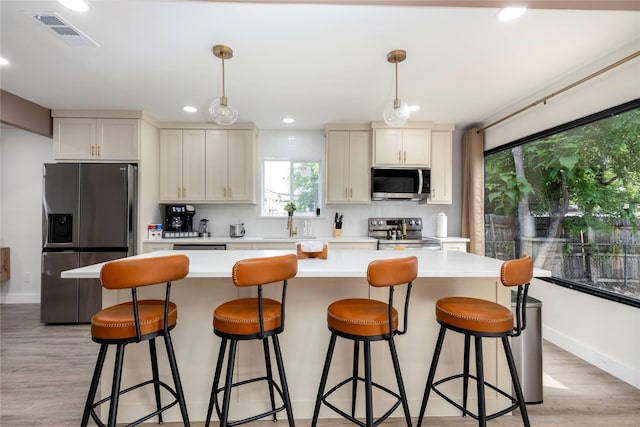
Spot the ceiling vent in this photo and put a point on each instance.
(62, 29)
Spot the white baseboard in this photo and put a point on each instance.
(593, 356)
(20, 299)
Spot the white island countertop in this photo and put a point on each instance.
(212, 240)
(339, 263)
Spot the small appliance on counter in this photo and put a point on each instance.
(203, 228)
(178, 221)
(236, 230)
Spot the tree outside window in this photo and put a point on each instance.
(288, 181)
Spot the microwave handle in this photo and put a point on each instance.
(420, 181)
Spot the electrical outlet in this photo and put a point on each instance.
(27, 277)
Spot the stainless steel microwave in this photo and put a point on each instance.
(400, 183)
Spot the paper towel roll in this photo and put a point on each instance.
(441, 225)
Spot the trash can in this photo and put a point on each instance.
(527, 351)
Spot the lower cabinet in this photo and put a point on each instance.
(152, 247)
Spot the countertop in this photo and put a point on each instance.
(339, 263)
(260, 239)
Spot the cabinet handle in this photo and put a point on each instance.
(230, 193)
(399, 156)
(346, 193)
(405, 156)
(179, 193)
(92, 150)
(224, 192)
(184, 192)
(351, 193)
(97, 150)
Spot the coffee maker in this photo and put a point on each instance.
(178, 221)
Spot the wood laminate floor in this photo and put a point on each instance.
(45, 373)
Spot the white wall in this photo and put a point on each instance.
(21, 157)
(603, 333)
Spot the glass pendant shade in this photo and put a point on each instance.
(396, 113)
(221, 113)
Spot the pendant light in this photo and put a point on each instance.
(397, 112)
(220, 112)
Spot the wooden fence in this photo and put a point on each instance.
(606, 260)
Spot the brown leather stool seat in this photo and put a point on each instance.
(253, 319)
(480, 318)
(365, 320)
(135, 321)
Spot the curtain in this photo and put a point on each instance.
(473, 189)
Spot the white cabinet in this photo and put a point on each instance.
(230, 166)
(239, 246)
(402, 147)
(367, 246)
(96, 139)
(441, 166)
(182, 165)
(347, 169)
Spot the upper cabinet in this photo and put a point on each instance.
(103, 139)
(182, 165)
(230, 166)
(347, 168)
(441, 164)
(402, 146)
(207, 165)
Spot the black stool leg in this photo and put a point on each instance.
(267, 362)
(156, 378)
(323, 379)
(465, 377)
(482, 410)
(354, 383)
(176, 379)
(368, 387)
(94, 385)
(228, 383)
(516, 381)
(432, 373)
(402, 392)
(283, 381)
(115, 386)
(216, 379)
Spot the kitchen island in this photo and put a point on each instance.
(305, 339)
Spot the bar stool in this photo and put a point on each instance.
(483, 319)
(133, 322)
(367, 320)
(253, 319)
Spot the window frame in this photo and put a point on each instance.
(291, 161)
(609, 112)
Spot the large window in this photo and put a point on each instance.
(570, 197)
(287, 181)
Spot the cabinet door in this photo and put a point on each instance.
(337, 166)
(416, 147)
(241, 168)
(170, 165)
(193, 165)
(441, 171)
(118, 139)
(359, 170)
(388, 147)
(216, 165)
(74, 139)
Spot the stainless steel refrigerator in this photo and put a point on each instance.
(88, 216)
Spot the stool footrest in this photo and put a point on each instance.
(254, 417)
(349, 417)
(97, 420)
(468, 412)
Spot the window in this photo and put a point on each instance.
(570, 197)
(286, 181)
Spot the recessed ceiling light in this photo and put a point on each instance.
(3, 61)
(291, 138)
(75, 5)
(190, 109)
(511, 13)
(288, 120)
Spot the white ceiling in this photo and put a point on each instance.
(318, 63)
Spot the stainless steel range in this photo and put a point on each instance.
(400, 233)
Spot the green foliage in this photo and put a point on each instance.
(594, 169)
(305, 185)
